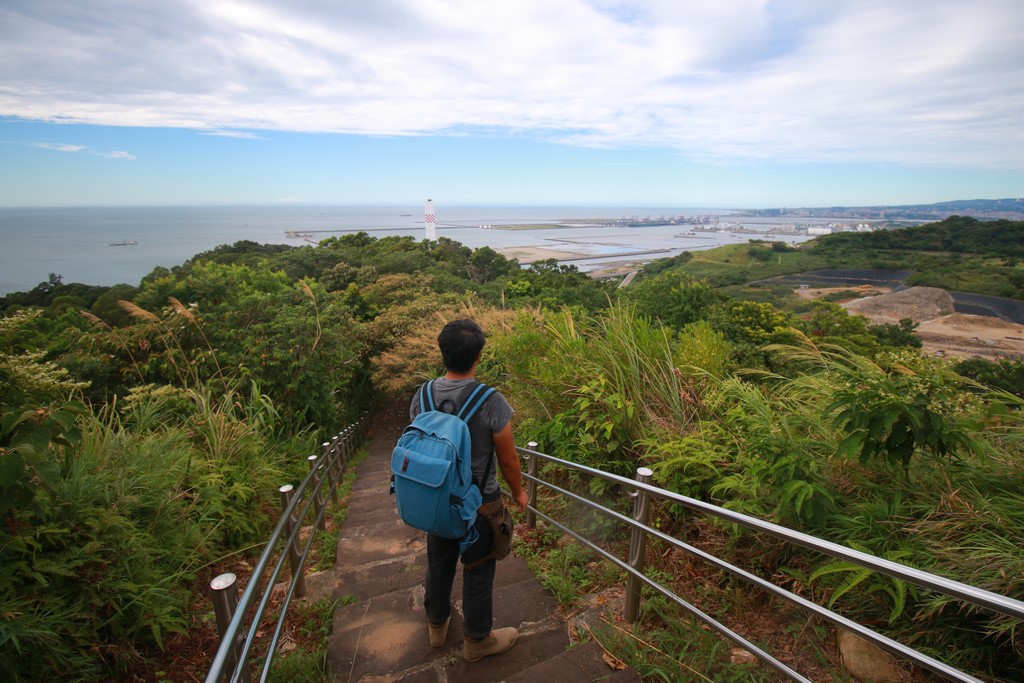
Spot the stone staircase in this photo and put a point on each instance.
(382, 635)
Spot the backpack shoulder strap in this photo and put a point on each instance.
(476, 399)
(427, 396)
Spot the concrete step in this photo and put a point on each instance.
(387, 576)
(372, 543)
(580, 663)
(379, 639)
(532, 648)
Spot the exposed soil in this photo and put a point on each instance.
(967, 336)
(917, 303)
(941, 331)
(855, 291)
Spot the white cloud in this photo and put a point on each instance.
(58, 147)
(239, 134)
(78, 148)
(117, 155)
(904, 81)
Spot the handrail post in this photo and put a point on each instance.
(339, 459)
(331, 476)
(637, 546)
(318, 500)
(338, 454)
(531, 487)
(224, 593)
(294, 558)
(345, 445)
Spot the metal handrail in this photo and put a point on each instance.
(993, 601)
(325, 471)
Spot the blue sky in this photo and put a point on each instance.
(728, 103)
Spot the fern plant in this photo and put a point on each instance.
(892, 590)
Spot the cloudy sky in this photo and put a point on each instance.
(594, 102)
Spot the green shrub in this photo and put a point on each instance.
(99, 571)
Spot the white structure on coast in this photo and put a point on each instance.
(430, 219)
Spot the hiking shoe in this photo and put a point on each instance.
(494, 644)
(438, 632)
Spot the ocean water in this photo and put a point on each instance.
(75, 242)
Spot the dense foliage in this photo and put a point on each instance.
(893, 454)
(961, 254)
(955, 234)
(145, 427)
(143, 430)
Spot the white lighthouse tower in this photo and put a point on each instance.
(429, 219)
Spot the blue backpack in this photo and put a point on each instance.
(433, 471)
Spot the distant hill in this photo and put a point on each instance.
(958, 234)
(982, 205)
(985, 209)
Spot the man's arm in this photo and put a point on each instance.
(508, 461)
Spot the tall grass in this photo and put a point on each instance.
(596, 384)
(102, 575)
(611, 390)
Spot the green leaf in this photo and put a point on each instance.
(14, 418)
(851, 444)
(38, 440)
(49, 474)
(891, 418)
(8, 495)
(835, 567)
(64, 418)
(897, 590)
(12, 466)
(855, 578)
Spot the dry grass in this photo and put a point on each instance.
(415, 358)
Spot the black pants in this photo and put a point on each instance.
(477, 584)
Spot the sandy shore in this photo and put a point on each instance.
(527, 255)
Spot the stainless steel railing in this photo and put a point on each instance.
(640, 531)
(231, 662)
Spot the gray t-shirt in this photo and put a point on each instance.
(491, 418)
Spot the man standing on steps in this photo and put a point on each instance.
(461, 343)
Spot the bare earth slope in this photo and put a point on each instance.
(917, 303)
(940, 329)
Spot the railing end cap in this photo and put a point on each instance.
(223, 581)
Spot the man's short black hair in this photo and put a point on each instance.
(460, 342)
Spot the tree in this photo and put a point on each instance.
(830, 323)
(900, 334)
(1004, 374)
(673, 297)
(487, 265)
(907, 406)
(749, 322)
